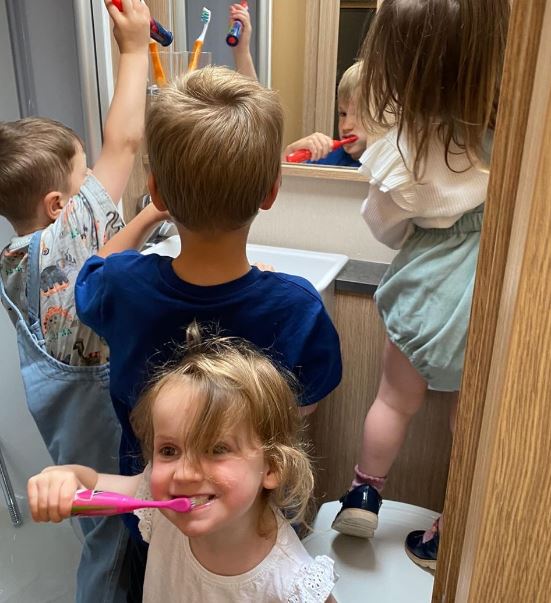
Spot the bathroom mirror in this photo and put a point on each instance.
(307, 74)
(298, 48)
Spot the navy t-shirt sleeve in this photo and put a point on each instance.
(90, 290)
(310, 341)
(319, 367)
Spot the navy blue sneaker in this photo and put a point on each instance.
(422, 547)
(359, 514)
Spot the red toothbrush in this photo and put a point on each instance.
(156, 30)
(304, 154)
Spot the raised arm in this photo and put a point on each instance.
(242, 53)
(124, 125)
(135, 233)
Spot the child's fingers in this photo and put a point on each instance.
(322, 144)
(42, 500)
(66, 497)
(142, 8)
(113, 11)
(264, 267)
(53, 503)
(127, 7)
(32, 495)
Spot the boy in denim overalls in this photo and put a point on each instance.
(62, 214)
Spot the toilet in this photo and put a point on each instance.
(377, 569)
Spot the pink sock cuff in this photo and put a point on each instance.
(371, 480)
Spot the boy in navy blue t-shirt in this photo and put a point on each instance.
(214, 141)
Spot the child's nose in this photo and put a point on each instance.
(348, 123)
(188, 471)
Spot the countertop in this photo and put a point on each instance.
(360, 277)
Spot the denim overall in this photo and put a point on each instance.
(74, 414)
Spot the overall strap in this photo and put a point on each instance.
(7, 301)
(33, 278)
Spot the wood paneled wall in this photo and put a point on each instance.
(420, 472)
(497, 542)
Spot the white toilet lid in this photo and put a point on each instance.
(376, 570)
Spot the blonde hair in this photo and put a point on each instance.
(36, 158)
(435, 66)
(214, 140)
(237, 385)
(349, 83)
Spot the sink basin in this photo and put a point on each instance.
(317, 267)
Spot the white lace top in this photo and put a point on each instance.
(396, 201)
(173, 574)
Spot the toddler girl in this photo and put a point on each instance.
(431, 73)
(221, 427)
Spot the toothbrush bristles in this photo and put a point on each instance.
(205, 15)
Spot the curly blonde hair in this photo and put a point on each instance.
(237, 385)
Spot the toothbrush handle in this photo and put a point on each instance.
(156, 30)
(98, 503)
(194, 61)
(304, 154)
(160, 34)
(236, 28)
(158, 72)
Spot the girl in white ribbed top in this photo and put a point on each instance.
(220, 426)
(431, 75)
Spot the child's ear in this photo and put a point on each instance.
(271, 197)
(154, 192)
(53, 204)
(271, 478)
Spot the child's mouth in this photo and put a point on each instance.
(200, 501)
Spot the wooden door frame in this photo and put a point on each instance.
(320, 65)
(494, 502)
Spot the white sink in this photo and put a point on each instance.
(319, 268)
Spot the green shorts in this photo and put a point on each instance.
(425, 298)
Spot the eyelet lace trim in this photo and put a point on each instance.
(145, 515)
(314, 581)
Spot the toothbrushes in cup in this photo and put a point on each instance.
(198, 45)
(96, 502)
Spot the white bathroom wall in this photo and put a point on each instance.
(9, 108)
(37, 561)
(320, 215)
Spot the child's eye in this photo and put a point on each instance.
(167, 451)
(342, 113)
(220, 448)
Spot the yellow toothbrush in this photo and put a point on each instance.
(198, 45)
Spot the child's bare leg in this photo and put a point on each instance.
(401, 394)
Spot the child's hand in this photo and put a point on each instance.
(155, 215)
(51, 493)
(131, 26)
(264, 267)
(240, 13)
(318, 144)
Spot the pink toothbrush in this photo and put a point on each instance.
(96, 502)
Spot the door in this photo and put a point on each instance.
(496, 540)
